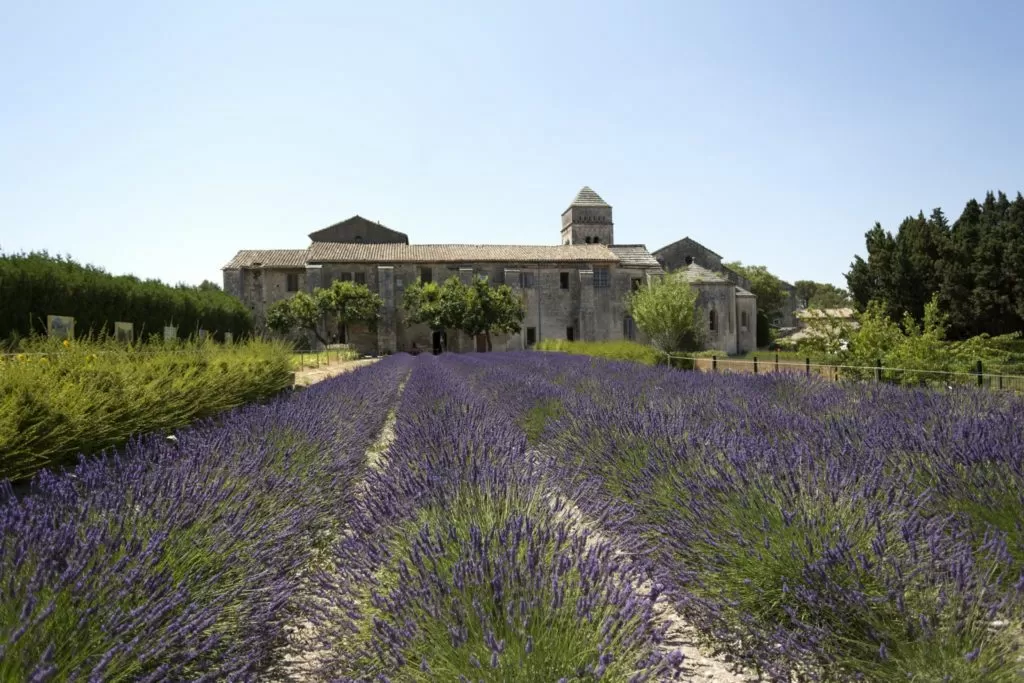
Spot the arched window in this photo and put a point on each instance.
(597, 240)
(588, 240)
(712, 321)
(743, 319)
(689, 260)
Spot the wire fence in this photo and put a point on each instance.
(990, 378)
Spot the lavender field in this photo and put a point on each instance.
(535, 517)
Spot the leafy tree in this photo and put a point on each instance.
(490, 309)
(666, 311)
(477, 308)
(346, 301)
(770, 291)
(351, 303)
(821, 295)
(301, 311)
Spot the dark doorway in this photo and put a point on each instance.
(481, 343)
(531, 336)
(570, 334)
(436, 341)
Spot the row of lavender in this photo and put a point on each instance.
(179, 560)
(808, 528)
(461, 565)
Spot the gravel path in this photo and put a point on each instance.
(308, 376)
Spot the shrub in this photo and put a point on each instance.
(612, 350)
(58, 400)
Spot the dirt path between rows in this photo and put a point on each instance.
(308, 376)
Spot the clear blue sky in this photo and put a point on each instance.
(158, 138)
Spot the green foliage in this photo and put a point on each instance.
(59, 400)
(36, 284)
(477, 308)
(821, 295)
(971, 266)
(770, 291)
(665, 310)
(612, 350)
(764, 329)
(347, 302)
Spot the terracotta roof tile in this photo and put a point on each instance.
(270, 258)
(320, 252)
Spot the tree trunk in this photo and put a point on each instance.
(487, 334)
(317, 334)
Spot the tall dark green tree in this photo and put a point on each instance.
(975, 266)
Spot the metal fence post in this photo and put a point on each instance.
(714, 363)
(807, 366)
(755, 365)
(878, 370)
(981, 376)
(776, 361)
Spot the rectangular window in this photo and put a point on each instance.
(628, 328)
(601, 280)
(526, 280)
(346, 277)
(426, 274)
(293, 282)
(570, 334)
(531, 336)
(563, 281)
(499, 276)
(360, 278)
(636, 283)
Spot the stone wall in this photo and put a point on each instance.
(719, 298)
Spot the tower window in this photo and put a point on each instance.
(712, 321)
(597, 240)
(563, 280)
(588, 240)
(601, 279)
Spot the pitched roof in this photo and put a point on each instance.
(357, 223)
(320, 252)
(690, 240)
(270, 258)
(634, 256)
(700, 274)
(587, 197)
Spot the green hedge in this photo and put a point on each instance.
(36, 284)
(57, 400)
(613, 350)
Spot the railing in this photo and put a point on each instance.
(990, 379)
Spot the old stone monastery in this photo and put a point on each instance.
(573, 290)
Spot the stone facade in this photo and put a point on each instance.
(575, 290)
(683, 252)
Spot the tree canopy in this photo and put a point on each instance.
(974, 267)
(477, 308)
(770, 291)
(348, 302)
(822, 295)
(665, 310)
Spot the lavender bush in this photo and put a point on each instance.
(461, 567)
(177, 560)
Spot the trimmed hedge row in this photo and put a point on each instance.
(36, 284)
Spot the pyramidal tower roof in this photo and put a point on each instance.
(587, 197)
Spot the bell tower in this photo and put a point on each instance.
(588, 220)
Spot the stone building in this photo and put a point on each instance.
(573, 290)
(686, 251)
